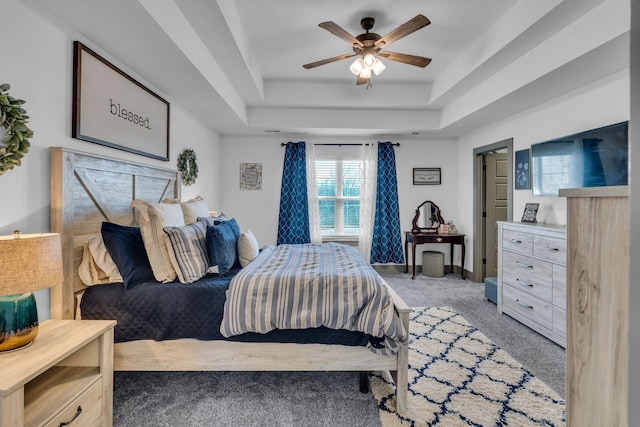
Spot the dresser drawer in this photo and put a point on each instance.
(528, 274)
(85, 410)
(527, 305)
(551, 248)
(560, 286)
(517, 241)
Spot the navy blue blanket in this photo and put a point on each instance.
(165, 311)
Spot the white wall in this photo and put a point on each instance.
(602, 103)
(258, 210)
(39, 70)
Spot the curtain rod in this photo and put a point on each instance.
(395, 144)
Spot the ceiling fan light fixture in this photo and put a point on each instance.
(357, 66)
(365, 73)
(378, 67)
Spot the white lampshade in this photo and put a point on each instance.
(29, 262)
(378, 67)
(365, 73)
(369, 61)
(357, 66)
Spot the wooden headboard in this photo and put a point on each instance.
(86, 190)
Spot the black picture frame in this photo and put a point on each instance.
(427, 176)
(522, 179)
(530, 212)
(111, 108)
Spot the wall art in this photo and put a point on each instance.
(110, 108)
(251, 176)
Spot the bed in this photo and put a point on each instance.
(87, 190)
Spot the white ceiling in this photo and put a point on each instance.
(237, 64)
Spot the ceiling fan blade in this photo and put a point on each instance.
(361, 81)
(418, 61)
(413, 24)
(328, 60)
(337, 30)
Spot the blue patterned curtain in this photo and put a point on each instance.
(386, 245)
(293, 221)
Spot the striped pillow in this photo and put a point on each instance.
(188, 251)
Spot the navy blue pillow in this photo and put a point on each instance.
(221, 245)
(125, 246)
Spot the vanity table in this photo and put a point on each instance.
(417, 238)
(424, 229)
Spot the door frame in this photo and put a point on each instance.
(479, 187)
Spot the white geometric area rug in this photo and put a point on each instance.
(458, 377)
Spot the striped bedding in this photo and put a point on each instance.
(308, 286)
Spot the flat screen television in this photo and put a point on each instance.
(595, 158)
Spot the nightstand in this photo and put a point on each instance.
(64, 376)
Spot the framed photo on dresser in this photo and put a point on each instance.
(530, 212)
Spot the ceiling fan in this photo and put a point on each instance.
(368, 47)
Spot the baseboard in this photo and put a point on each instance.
(399, 268)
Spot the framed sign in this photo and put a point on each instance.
(110, 108)
(426, 176)
(251, 176)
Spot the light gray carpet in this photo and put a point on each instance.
(317, 398)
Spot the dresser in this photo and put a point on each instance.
(63, 378)
(532, 276)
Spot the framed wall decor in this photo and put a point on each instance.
(112, 109)
(251, 176)
(530, 212)
(523, 170)
(427, 176)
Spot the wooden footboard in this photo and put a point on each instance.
(88, 189)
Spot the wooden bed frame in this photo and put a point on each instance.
(87, 189)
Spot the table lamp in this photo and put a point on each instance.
(28, 262)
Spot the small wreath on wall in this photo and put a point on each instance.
(15, 142)
(188, 166)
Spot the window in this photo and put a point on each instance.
(338, 184)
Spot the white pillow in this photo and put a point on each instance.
(194, 208)
(248, 248)
(153, 217)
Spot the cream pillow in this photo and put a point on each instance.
(103, 260)
(153, 217)
(248, 248)
(97, 267)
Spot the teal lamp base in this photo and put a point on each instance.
(18, 320)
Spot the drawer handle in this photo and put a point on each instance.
(523, 283)
(521, 264)
(549, 248)
(525, 305)
(76, 415)
(516, 241)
